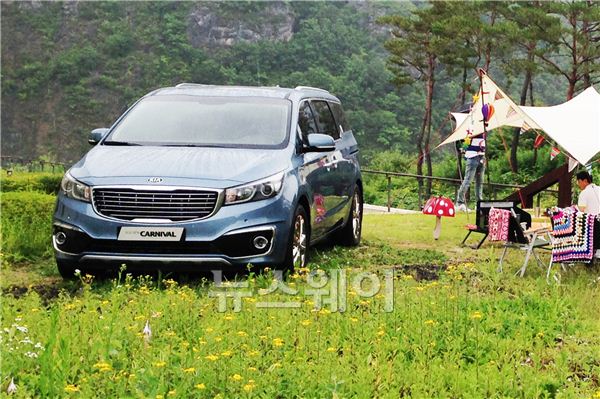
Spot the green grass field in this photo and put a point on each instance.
(456, 328)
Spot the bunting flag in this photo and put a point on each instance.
(572, 164)
(524, 128)
(539, 140)
(511, 112)
(553, 153)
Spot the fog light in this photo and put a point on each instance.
(60, 237)
(260, 242)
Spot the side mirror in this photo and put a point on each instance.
(96, 135)
(319, 143)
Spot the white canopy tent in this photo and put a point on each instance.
(574, 125)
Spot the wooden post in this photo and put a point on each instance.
(389, 192)
(565, 189)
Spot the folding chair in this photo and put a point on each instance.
(526, 240)
(482, 213)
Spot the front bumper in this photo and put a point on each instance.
(225, 239)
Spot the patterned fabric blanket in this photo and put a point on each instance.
(573, 236)
(498, 223)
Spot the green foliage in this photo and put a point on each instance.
(26, 224)
(43, 182)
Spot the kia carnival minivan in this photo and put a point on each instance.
(196, 177)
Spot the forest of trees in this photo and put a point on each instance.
(398, 68)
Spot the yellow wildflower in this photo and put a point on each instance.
(102, 365)
(200, 386)
(252, 368)
(228, 317)
(70, 388)
(242, 333)
(331, 349)
(189, 370)
(306, 322)
(212, 358)
(160, 364)
(353, 319)
(226, 353)
(253, 353)
(277, 342)
(236, 377)
(172, 393)
(430, 322)
(249, 387)
(476, 315)
(380, 333)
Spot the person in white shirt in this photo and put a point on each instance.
(589, 197)
(474, 148)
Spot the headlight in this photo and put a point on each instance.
(75, 189)
(255, 191)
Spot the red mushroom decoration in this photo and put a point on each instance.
(439, 206)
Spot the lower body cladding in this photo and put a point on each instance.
(259, 246)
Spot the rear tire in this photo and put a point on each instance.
(297, 249)
(350, 234)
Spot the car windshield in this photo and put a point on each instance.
(205, 121)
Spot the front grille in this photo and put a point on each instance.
(177, 205)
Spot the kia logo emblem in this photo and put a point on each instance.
(155, 180)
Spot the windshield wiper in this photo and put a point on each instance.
(113, 142)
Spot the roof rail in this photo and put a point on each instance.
(311, 88)
(184, 84)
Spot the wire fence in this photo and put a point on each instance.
(402, 190)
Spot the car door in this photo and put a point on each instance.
(315, 171)
(336, 188)
(348, 169)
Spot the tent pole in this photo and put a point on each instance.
(487, 169)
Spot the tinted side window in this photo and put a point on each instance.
(325, 121)
(306, 120)
(340, 117)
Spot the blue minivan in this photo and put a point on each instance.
(198, 176)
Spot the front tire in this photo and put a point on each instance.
(297, 249)
(351, 233)
(66, 269)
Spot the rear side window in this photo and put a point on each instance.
(306, 120)
(325, 121)
(340, 117)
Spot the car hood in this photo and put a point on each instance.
(195, 166)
